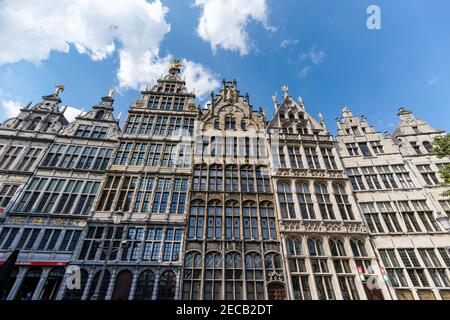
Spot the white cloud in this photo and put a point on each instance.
(71, 113)
(288, 42)
(223, 22)
(133, 28)
(199, 78)
(316, 56)
(433, 80)
(9, 109)
(304, 72)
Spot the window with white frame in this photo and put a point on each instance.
(372, 217)
(342, 200)
(324, 201)
(305, 201)
(328, 158)
(295, 157)
(356, 179)
(428, 174)
(286, 200)
(312, 157)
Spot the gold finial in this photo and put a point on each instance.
(274, 98)
(58, 89)
(111, 92)
(285, 89)
(176, 64)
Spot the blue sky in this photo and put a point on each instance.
(321, 49)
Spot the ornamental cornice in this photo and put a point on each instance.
(302, 173)
(323, 227)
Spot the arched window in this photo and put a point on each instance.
(294, 247)
(215, 178)
(232, 220)
(77, 294)
(103, 287)
(216, 124)
(214, 226)
(52, 284)
(428, 146)
(167, 285)
(29, 284)
(196, 219)
(315, 247)
(337, 248)
(100, 115)
(272, 262)
(233, 276)
(254, 276)
(250, 220)
(267, 217)
(144, 286)
(213, 276)
(323, 199)
(122, 285)
(358, 248)
(243, 125)
(305, 201)
(192, 276)
(231, 179)
(345, 208)
(286, 201)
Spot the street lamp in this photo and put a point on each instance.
(444, 220)
(117, 218)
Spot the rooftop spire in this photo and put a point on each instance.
(346, 112)
(175, 67)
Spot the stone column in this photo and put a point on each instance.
(39, 288)
(133, 284)
(15, 288)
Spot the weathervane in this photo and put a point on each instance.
(58, 89)
(176, 64)
(111, 92)
(285, 89)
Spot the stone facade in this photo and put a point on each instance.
(395, 182)
(219, 202)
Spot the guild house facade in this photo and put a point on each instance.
(218, 203)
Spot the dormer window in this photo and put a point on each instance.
(416, 130)
(216, 125)
(416, 148)
(428, 146)
(230, 123)
(243, 125)
(291, 116)
(100, 115)
(170, 88)
(34, 124)
(282, 116)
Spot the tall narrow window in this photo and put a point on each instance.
(214, 222)
(345, 208)
(305, 201)
(213, 276)
(286, 201)
(325, 204)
